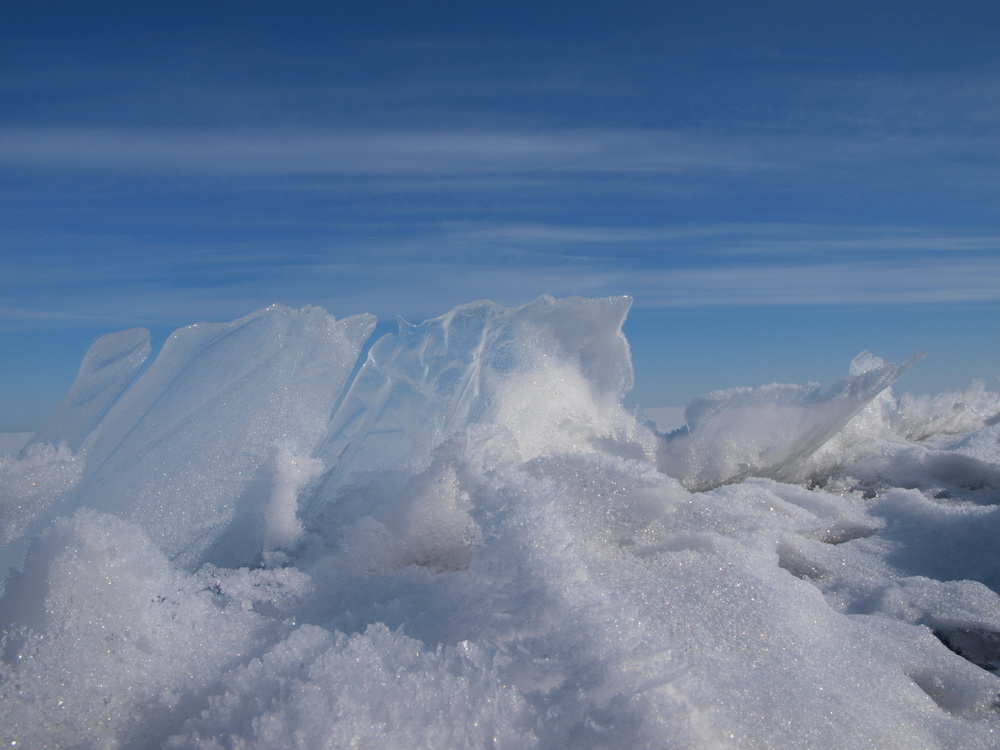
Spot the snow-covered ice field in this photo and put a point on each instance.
(469, 542)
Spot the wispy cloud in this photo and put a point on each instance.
(351, 152)
(421, 274)
(869, 284)
(443, 171)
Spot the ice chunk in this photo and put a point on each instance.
(767, 431)
(108, 368)
(413, 390)
(187, 452)
(949, 413)
(546, 367)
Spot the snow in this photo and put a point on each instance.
(471, 543)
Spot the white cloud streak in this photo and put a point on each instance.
(419, 277)
(363, 153)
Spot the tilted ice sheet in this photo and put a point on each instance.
(768, 431)
(108, 368)
(193, 451)
(550, 375)
(944, 444)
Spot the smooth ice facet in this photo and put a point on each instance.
(108, 368)
(188, 451)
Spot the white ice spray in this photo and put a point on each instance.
(292, 472)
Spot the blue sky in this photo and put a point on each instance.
(779, 185)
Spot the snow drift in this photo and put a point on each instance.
(471, 543)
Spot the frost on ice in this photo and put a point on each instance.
(473, 544)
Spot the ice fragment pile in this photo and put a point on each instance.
(471, 543)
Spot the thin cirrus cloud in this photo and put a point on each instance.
(443, 169)
(351, 152)
(421, 276)
(780, 284)
(289, 214)
(825, 284)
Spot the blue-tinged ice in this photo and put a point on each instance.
(540, 378)
(202, 451)
(768, 431)
(108, 368)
